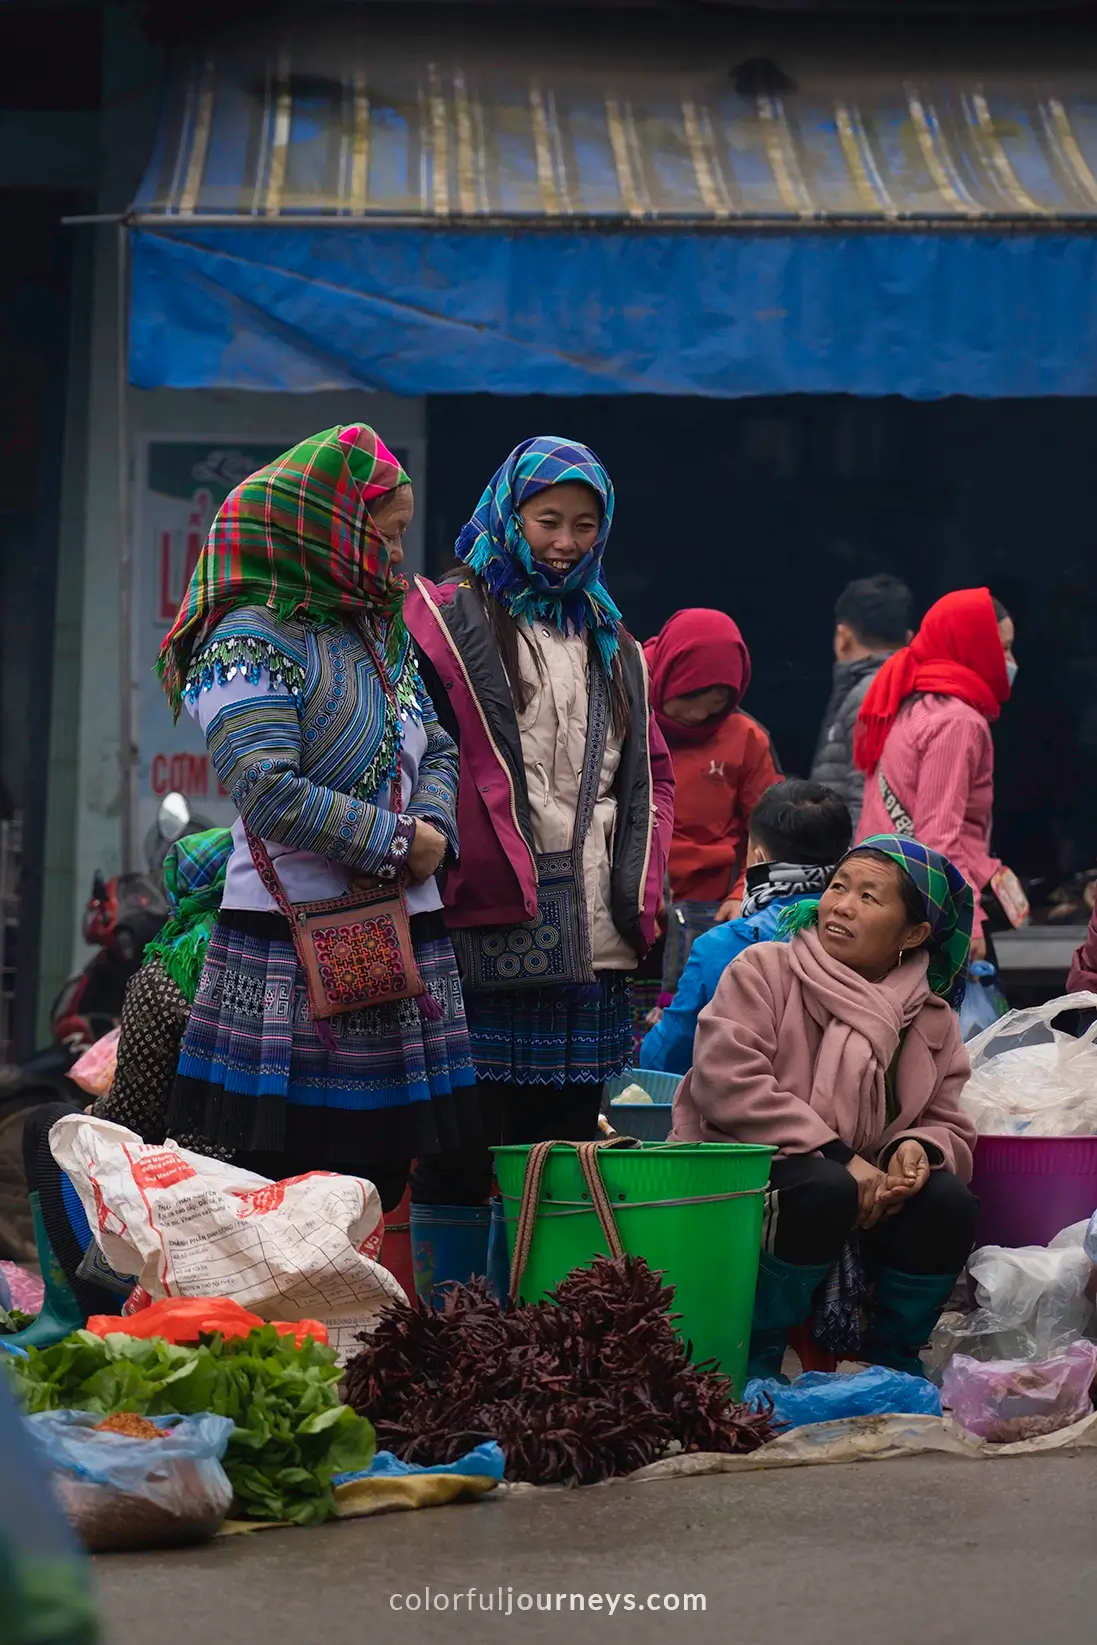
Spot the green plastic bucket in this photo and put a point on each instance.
(705, 1242)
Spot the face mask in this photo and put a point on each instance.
(1011, 671)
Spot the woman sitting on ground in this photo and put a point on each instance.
(840, 1050)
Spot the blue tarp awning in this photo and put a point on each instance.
(454, 214)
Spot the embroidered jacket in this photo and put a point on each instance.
(310, 763)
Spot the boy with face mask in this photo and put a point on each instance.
(798, 831)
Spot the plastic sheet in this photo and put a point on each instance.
(830, 1396)
(864, 1439)
(486, 1461)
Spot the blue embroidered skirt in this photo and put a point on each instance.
(254, 1075)
(547, 1037)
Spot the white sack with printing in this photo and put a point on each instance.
(189, 1226)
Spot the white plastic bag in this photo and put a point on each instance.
(189, 1226)
(983, 1002)
(1029, 1079)
(1030, 1303)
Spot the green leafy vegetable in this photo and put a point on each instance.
(51, 1604)
(14, 1319)
(291, 1435)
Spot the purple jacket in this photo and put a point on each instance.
(495, 880)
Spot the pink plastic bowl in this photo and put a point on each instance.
(1033, 1187)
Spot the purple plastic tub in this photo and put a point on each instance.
(1033, 1187)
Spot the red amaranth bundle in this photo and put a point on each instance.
(589, 1384)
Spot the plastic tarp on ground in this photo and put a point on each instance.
(431, 311)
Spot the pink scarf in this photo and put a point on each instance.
(862, 1024)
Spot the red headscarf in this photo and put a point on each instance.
(957, 652)
(694, 651)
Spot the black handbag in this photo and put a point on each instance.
(553, 950)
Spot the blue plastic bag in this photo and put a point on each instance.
(486, 1460)
(983, 1002)
(120, 1492)
(829, 1396)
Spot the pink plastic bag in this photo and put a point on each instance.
(94, 1071)
(27, 1290)
(1010, 1399)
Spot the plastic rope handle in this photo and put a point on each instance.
(531, 1193)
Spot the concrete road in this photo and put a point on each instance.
(924, 1552)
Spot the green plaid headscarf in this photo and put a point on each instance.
(296, 536)
(947, 899)
(194, 879)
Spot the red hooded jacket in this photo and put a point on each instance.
(721, 768)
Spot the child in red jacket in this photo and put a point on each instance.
(723, 763)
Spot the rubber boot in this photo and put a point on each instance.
(449, 1245)
(61, 1313)
(781, 1303)
(904, 1311)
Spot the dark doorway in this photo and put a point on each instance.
(35, 318)
(767, 507)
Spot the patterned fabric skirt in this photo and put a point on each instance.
(255, 1076)
(547, 1037)
(644, 997)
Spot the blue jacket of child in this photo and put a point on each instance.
(668, 1047)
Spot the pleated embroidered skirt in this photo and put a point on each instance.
(254, 1075)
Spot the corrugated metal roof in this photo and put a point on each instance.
(342, 126)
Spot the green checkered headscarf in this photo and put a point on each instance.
(947, 899)
(297, 536)
(194, 879)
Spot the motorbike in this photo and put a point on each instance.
(122, 915)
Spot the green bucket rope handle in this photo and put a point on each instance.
(531, 1192)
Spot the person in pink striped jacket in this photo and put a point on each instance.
(923, 737)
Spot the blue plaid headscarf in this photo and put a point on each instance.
(492, 544)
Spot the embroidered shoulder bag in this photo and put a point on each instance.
(355, 950)
(553, 950)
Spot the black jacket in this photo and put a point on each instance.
(833, 763)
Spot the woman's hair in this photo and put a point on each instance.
(802, 822)
(1000, 611)
(912, 897)
(506, 632)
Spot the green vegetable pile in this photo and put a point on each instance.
(46, 1602)
(292, 1433)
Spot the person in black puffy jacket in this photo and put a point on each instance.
(872, 619)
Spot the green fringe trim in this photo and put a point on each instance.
(180, 945)
(799, 916)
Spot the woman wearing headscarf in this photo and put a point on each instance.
(291, 652)
(923, 740)
(566, 800)
(78, 1279)
(840, 1050)
(723, 764)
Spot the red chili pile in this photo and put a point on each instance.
(587, 1385)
